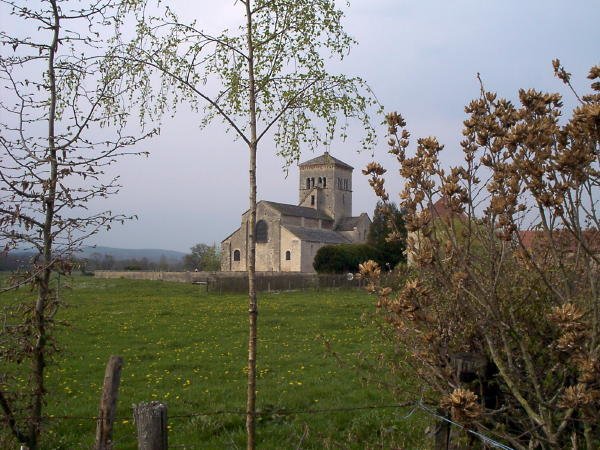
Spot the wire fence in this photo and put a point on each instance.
(237, 282)
(414, 406)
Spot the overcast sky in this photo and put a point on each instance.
(420, 58)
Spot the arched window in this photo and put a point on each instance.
(324, 182)
(236, 255)
(320, 181)
(262, 231)
(308, 183)
(288, 255)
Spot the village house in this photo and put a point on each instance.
(288, 236)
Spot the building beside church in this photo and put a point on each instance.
(288, 236)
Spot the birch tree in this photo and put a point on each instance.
(266, 80)
(62, 124)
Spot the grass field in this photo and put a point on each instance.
(187, 348)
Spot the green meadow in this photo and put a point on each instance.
(317, 367)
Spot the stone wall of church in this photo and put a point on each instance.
(363, 228)
(229, 251)
(291, 244)
(291, 220)
(268, 253)
(360, 233)
(342, 194)
(309, 250)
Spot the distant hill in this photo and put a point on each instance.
(107, 258)
(151, 254)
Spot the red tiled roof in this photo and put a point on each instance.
(531, 238)
(441, 210)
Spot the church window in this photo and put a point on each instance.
(320, 181)
(308, 183)
(262, 231)
(312, 200)
(236, 255)
(288, 255)
(324, 182)
(312, 182)
(346, 183)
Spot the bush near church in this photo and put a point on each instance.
(343, 258)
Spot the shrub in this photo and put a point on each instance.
(501, 319)
(343, 258)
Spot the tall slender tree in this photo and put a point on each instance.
(267, 79)
(62, 123)
(388, 234)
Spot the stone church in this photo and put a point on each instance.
(288, 236)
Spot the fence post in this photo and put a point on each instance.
(467, 366)
(151, 423)
(108, 404)
(442, 434)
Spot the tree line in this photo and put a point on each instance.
(202, 257)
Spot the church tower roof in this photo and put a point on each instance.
(325, 159)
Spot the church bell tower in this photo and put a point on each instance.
(326, 185)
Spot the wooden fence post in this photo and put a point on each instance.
(467, 367)
(108, 404)
(441, 433)
(151, 423)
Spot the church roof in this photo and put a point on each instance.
(348, 224)
(297, 211)
(326, 158)
(317, 235)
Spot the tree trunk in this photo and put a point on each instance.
(252, 300)
(39, 318)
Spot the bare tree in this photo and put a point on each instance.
(63, 123)
(271, 80)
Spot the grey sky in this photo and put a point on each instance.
(420, 58)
